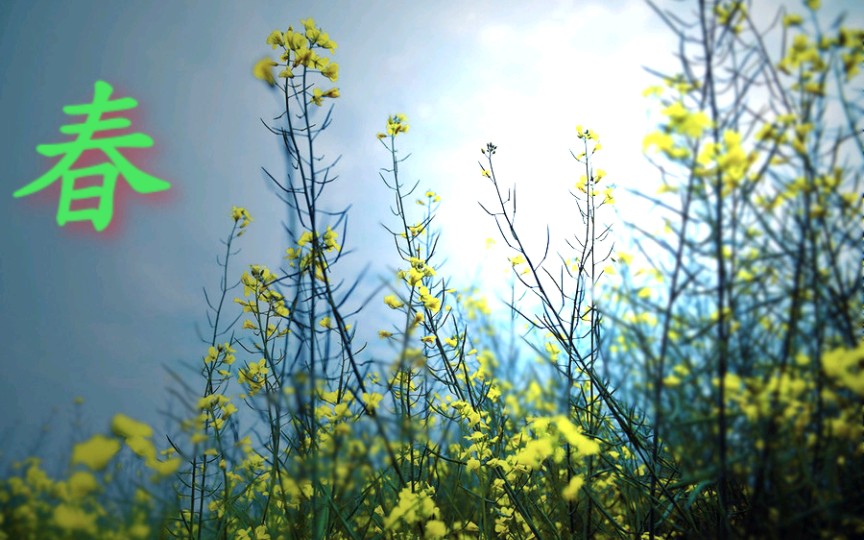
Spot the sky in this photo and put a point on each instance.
(100, 315)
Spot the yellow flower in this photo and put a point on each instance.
(608, 198)
(317, 96)
(371, 400)
(435, 529)
(281, 310)
(396, 124)
(814, 87)
(275, 39)
(303, 56)
(517, 260)
(313, 34)
(413, 508)
(163, 468)
(792, 20)
(81, 483)
(431, 302)
(572, 490)
(663, 141)
(260, 533)
(70, 518)
(238, 213)
(212, 355)
(325, 41)
(392, 301)
(331, 71)
(535, 452)
(264, 70)
(123, 426)
(582, 184)
(294, 40)
(228, 409)
(686, 122)
(139, 530)
(142, 447)
(586, 446)
(305, 238)
(96, 452)
(599, 174)
(844, 366)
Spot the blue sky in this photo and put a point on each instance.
(99, 316)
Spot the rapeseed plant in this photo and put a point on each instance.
(714, 391)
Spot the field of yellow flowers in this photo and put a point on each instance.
(715, 388)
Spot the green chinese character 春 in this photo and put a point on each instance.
(138, 180)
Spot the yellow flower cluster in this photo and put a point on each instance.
(853, 57)
(395, 125)
(685, 122)
(241, 215)
(300, 46)
(731, 14)
(96, 452)
(431, 196)
(258, 285)
(371, 399)
(393, 302)
(310, 257)
(429, 301)
(37, 506)
(787, 398)
(213, 402)
(596, 175)
(728, 158)
(803, 54)
(846, 367)
(416, 507)
(222, 350)
(474, 305)
(254, 376)
(583, 133)
(665, 143)
(419, 270)
(138, 437)
(519, 260)
(258, 533)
